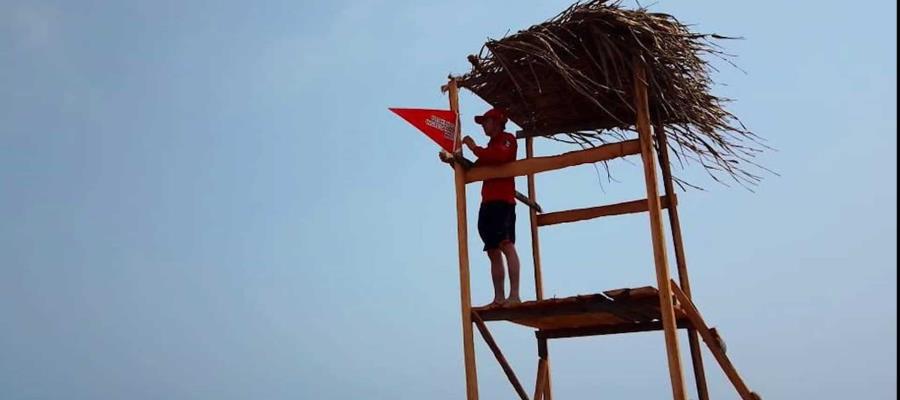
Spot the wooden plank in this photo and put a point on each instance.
(606, 330)
(693, 314)
(567, 310)
(645, 312)
(632, 294)
(462, 238)
(680, 259)
(548, 308)
(533, 217)
(582, 214)
(656, 230)
(573, 313)
(507, 369)
(638, 310)
(572, 321)
(542, 164)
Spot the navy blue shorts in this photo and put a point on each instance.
(496, 223)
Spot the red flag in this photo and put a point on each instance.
(439, 125)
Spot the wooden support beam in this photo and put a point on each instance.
(693, 314)
(452, 159)
(656, 229)
(533, 217)
(543, 350)
(596, 304)
(606, 330)
(582, 214)
(527, 200)
(548, 384)
(632, 293)
(507, 369)
(462, 238)
(544, 354)
(542, 164)
(541, 382)
(680, 259)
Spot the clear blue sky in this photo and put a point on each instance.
(210, 200)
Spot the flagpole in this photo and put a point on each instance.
(463, 248)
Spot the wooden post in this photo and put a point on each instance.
(540, 386)
(544, 354)
(656, 230)
(680, 260)
(536, 257)
(690, 310)
(463, 248)
(535, 242)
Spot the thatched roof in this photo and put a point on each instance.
(573, 75)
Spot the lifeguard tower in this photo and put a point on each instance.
(629, 83)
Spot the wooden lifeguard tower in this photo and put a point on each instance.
(594, 72)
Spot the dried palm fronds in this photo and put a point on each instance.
(571, 79)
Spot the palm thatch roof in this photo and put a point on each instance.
(571, 78)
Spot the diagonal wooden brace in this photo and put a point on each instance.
(479, 323)
(540, 387)
(690, 310)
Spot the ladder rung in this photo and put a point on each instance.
(628, 207)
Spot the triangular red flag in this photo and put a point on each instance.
(439, 125)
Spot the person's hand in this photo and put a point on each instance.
(468, 141)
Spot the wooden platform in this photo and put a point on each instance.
(613, 311)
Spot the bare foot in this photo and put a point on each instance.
(513, 300)
(497, 303)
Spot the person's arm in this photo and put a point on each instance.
(497, 152)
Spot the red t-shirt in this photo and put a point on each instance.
(501, 149)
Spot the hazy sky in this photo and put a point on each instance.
(210, 200)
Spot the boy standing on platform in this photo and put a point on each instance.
(497, 215)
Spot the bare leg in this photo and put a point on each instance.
(512, 260)
(497, 274)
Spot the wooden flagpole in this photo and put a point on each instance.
(463, 248)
